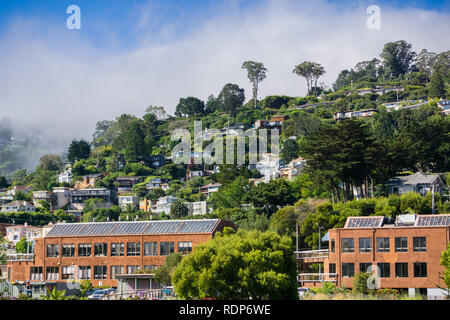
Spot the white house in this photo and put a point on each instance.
(197, 208)
(445, 106)
(132, 200)
(210, 188)
(17, 232)
(269, 166)
(66, 176)
(18, 206)
(417, 182)
(163, 205)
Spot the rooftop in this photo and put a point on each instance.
(134, 228)
(426, 220)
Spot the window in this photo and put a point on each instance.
(68, 272)
(364, 267)
(132, 269)
(99, 272)
(348, 270)
(52, 250)
(332, 245)
(420, 270)
(401, 244)
(332, 268)
(116, 270)
(151, 268)
(52, 273)
(419, 244)
(84, 272)
(383, 245)
(401, 270)
(166, 248)
(84, 250)
(385, 270)
(100, 249)
(36, 273)
(68, 250)
(117, 249)
(185, 247)
(365, 245)
(150, 248)
(133, 249)
(348, 245)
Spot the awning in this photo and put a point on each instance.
(326, 237)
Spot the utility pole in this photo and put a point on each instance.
(432, 201)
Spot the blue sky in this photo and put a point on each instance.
(103, 18)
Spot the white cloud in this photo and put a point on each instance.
(65, 84)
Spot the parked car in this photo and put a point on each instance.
(100, 293)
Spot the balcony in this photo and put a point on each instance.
(309, 256)
(20, 257)
(311, 279)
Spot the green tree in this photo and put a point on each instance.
(50, 162)
(78, 149)
(164, 273)
(289, 151)
(23, 245)
(311, 71)
(256, 72)
(445, 262)
(437, 86)
(178, 210)
(3, 182)
(360, 283)
(397, 58)
(55, 295)
(190, 106)
(134, 138)
(231, 97)
(245, 265)
(284, 221)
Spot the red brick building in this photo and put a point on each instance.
(100, 251)
(404, 254)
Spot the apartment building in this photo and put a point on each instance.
(100, 251)
(404, 254)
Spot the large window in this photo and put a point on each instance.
(84, 250)
(332, 268)
(150, 248)
(401, 270)
(420, 270)
(185, 247)
(133, 249)
(365, 245)
(132, 269)
(332, 245)
(68, 272)
(401, 244)
(348, 270)
(52, 273)
(52, 250)
(166, 248)
(84, 272)
(100, 249)
(364, 266)
(116, 270)
(348, 245)
(151, 267)
(383, 245)
(68, 250)
(100, 272)
(419, 244)
(385, 270)
(36, 273)
(117, 249)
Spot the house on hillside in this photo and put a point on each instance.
(88, 181)
(417, 182)
(18, 206)
(445, 106)
(164, 204)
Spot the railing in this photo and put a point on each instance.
(317, 277)
(311, 254)
(154, 294)
(20, 257)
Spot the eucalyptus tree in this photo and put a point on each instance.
(256, 72)
(311, 71)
